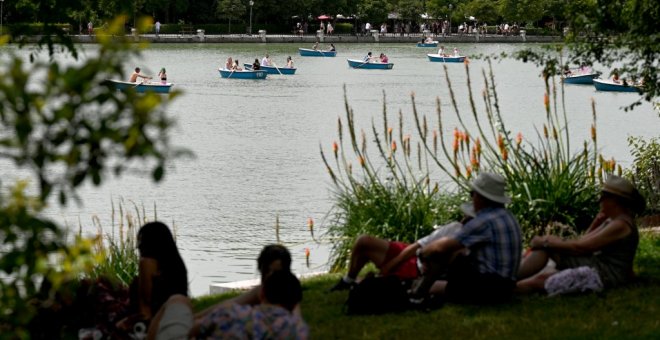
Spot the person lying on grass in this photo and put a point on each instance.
(608, 246)
(393, 257)
(487, 274)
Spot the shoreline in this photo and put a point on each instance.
(201, 37)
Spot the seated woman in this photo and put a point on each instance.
(237, 66)
(162, 274)
(608, 246)
(256, 65)
(229, 65)
(383, 58)
(289, 62)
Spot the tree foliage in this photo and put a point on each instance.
(62, 126)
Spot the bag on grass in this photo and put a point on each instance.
(574, 280)
(378, 295)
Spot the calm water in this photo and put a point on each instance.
(256, 142)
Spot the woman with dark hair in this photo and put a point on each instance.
(162, 273)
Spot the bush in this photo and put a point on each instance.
(344, 28)
(645, 171)
(553, 189)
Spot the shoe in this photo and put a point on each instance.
(341, 285)
(426, 303)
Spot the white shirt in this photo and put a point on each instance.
(265, 62)
(367, 26)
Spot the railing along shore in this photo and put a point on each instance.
(199, 36)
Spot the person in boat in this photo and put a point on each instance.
(455, 52)
(237, 66)
(332, 48)
(567, 71)
(368, 58)
(428, 40)
(584, 69)
(383, 58)
(615, 76)
(163, 76)
(136, 74)
(265, 61)
(441, 51)
(229, 65)
(289, 62)
(256, 65)
(316, 46)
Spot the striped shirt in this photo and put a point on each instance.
(495, 242)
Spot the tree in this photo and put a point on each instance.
(230, 9)
(72, 129)
(611, 33)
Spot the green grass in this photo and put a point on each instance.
(628, 312)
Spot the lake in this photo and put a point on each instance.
(256, 143)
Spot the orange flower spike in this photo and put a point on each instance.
(478, 146)
(389, 132)
(505, 155)
(519, 138)
(500, 141)
(310, 224)
(473, 158)
(393, 146)
(457, 134)
(555, 135)
(467, 140)
(593, 132)
(455, 146)
(361, 160)
(335, 148)
(546, 101)
(307, 252)
(468, 171)
(545, 131)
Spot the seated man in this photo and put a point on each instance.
(493, 237)
(277, 317)
(136, 74)
(395, 258)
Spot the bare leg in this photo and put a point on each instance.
(438, 287)
(535, 283)
(532, 264)
(367, 248)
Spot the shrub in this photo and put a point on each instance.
(645, 171)
(552, 188)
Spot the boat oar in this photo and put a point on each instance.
(366, 62)
(277, 68)
(230, 73)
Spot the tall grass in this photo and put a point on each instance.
(392, 193)
(120, 258)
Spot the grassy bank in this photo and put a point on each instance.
(628, 312)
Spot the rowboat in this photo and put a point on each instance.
(445, 58)
(367, 65)
(140, 87)
(428, 44)
(306, 52)
(273, 69)
(609, 85)
(245, 74)
(586, 79)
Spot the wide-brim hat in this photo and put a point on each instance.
(468, 209)
(623, 188)
(491, 186)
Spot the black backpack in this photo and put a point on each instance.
(378, 295)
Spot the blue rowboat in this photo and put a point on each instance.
(273, 69)
(436, 58)
(585, 79)
(371, 66)
(431, 44)
(140, 87)
(609, 85)
(246, 74)
(306, 52)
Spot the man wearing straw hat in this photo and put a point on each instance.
(488, 273)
